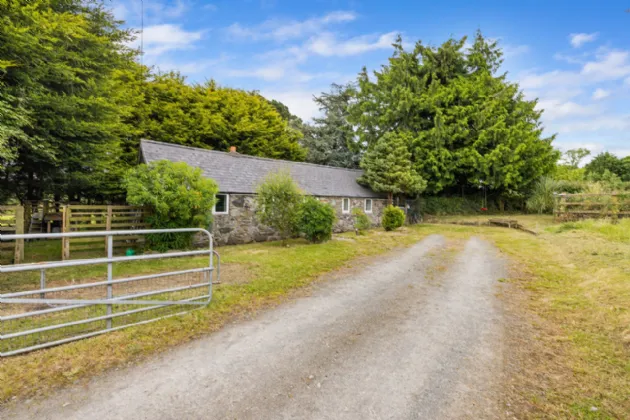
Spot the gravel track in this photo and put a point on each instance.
(398, 339)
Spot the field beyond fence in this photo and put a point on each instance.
(587, 206)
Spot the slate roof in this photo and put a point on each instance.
(236, 173)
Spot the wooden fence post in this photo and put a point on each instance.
(65, 227)
(28, 215)
(108, 223)
(19, 229)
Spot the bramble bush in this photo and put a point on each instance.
(393, 218)
(361, 221)
(315, 220)
(178, 195)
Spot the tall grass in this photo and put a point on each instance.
(542, 199)
(618, 232)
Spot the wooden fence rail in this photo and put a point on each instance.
(580, 206)
(85, 218)
(75, 218)
(12, 222)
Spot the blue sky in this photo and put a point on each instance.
(572, 55)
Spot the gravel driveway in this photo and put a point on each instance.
(413, 335)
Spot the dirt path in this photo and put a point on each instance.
(395, 340)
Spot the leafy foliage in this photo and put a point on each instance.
(568, 173)
(393, 218)
(213, 117)
(609, 181)
(62, 131)
(387, 167)
(361, 220)
(278, 200)
(315, 220)
(608, 162)
(330, 140)
(573, 157)
(465, 124)
(179, 197)
(542, 199)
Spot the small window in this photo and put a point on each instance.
(368, 205)
(345, 205)
(222, 205)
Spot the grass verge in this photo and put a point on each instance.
(575, 363)
(273, 272)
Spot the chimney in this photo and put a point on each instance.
(232, 149)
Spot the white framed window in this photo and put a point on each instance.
(368, 205)
(222, 205)
(345, 205)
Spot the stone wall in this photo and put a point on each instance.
(240, 225)
(345, 222)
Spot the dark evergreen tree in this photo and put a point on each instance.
(467, 124)
(330, 140)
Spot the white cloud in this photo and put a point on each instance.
(577, 40)
(514, 50)
(530, 80)
(607, 66)
(300, 102)
(600, 94)
(571, 59)
(555, 109)
(610, 66)
(601, 123)
(120, 11)
(285, 30)
(159, 39)
(269, 73)
(155, 11)
(328, 45)
(192, 67)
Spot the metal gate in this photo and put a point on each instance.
(45, 316)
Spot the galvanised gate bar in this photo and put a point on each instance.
(48, 316)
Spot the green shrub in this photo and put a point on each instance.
(278, 200)
(178, 195)
(361, 220)
(542, 199)
(315, 220)
(393, 218)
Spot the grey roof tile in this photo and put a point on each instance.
(236, 173)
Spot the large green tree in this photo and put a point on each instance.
(606, 161)
(58, 109)
(467, 124)
(330, 140)
(210, 116)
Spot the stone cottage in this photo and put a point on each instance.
(238, 176)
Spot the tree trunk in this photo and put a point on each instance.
(390, 198)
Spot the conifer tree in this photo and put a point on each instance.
(388, 167)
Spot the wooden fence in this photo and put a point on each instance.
(12, 222)
(587, 206)
(85, 218)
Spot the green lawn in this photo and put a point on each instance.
(570, 357)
